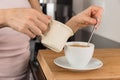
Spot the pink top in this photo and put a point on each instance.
(14, 47)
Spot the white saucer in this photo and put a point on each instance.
(92, 65)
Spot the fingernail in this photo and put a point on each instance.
(50, 21)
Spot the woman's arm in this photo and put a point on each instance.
(36, 5)
(28, 21)
(2, 18)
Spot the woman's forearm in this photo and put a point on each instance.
(36, 5)
(2, 18)
(73, 24)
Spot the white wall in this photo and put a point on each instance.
(110, 26)
(78, 5)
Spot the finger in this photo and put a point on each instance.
(43, 27)
(44, 18)
(97, 12)
(98, 23)
(49, 17)
(89, 20)
(29, 33)
(34, 29)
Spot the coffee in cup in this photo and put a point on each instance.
(78, 45)
(78, 54)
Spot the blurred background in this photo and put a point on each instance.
(107, 35)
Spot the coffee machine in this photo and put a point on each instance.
(48, 7)
(64, 10)
(60, 10)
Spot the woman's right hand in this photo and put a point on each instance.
(86, 18)
(28, 21)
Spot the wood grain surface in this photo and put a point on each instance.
(109, 71)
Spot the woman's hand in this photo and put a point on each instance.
(28, 21)
(86, 18)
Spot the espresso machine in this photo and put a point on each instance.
(48, 7)
(60, 10)
(64, 10)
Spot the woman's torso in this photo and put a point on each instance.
(14, 46)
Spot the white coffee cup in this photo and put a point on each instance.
(78, 57)
(57, 36)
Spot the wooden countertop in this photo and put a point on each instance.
(109, 71)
